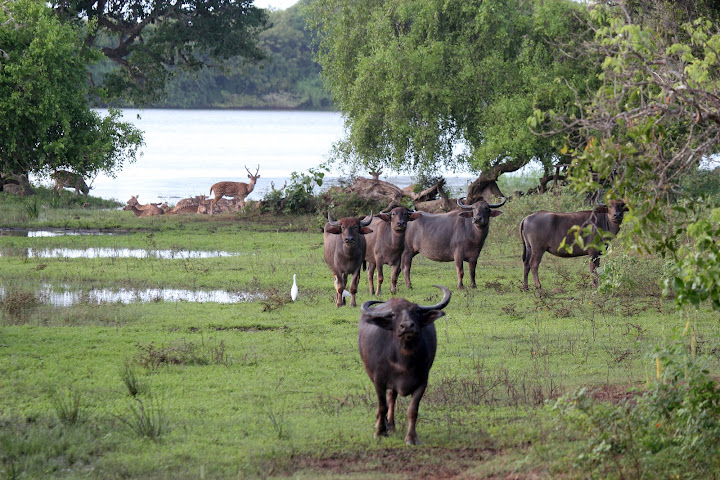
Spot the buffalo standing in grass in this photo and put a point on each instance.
(386, 244)
(397, 343)
(457, 235)
(544, 232)
(344, 250)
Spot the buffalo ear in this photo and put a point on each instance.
(383, 216)
(365, 230)
(414, 216)
(385, 323)
(495, 213)
(466, 214)
(601, 209)
(333, 229)
(430, 317)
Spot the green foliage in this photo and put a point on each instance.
(288, 78)
(149, 41)
(299, 196)
(415, 78)
(45, 118)
(69, 406)
(667, 430)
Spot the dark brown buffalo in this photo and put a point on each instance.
(397, 343)
(385, 245)
(458, 235)
(344, 242)
(544, 232)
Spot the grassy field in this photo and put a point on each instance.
(272, 388)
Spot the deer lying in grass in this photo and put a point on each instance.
(147, 212)
(238, 190)
(142, 210)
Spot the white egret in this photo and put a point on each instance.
(294, 290)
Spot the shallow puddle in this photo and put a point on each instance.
(110, 253)
(52, 232)
(66, 298)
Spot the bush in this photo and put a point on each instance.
(669, 430)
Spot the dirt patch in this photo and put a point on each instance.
(415, 463)
(613, 393)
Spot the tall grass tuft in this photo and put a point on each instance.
(135, 385)
(147, 418)
(68, 406)
(18, 304)
(32, 208)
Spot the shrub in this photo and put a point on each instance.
(668, 430)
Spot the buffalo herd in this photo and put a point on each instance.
(396, 236)
(396, 338)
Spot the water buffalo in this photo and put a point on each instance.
(544, 232)
(385, 245)
(344, 243)
(397, 343)
(458, 235)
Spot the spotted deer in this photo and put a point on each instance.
(147, 212)
(238, 190)
(65, 179)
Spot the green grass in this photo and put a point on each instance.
(274, 388)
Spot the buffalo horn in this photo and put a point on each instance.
(331, 221)
(597, 200)
(461, 204)
(372, 312)
(443, 303)
(365, 223)
(498, 205)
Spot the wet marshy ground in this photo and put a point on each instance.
(108, 252)
(65, 297)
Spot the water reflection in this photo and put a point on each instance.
(66, 298)
(110, 253)
(55, 232)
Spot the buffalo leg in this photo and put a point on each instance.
(394, 278)
(371, 273)
(460, 272)
(391, 398)
(534, 264)
(412, 412)
(381, 428)
(472, 265)
(526, 266)
(380, 278)
(354, 287)
(406, 264)
(594, 264)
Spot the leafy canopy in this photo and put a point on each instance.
(150, 39)
(45, 117)
(416, 79)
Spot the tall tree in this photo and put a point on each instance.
(654, 119)
(46, 121)
(417, 79)
(150, 39)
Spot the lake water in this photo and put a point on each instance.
(186, 151)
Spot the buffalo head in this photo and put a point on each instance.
(398, 218)
(349, 227)
(405, 319)
(480, 211)
(615, 209)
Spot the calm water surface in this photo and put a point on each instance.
(186, 151)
